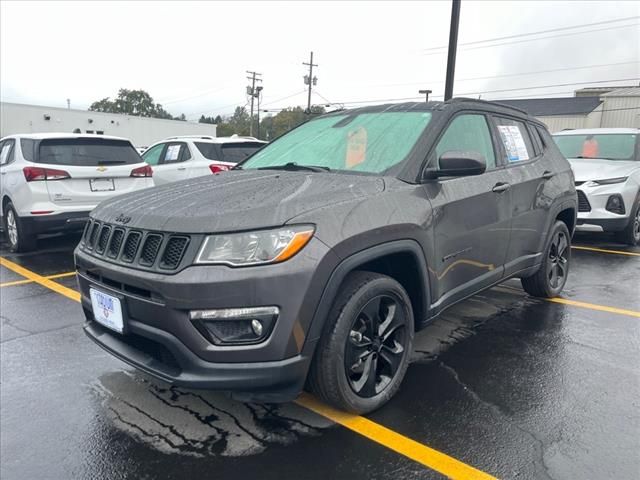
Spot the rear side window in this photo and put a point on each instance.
(87, 152)
(468, 132)
(208, 150)
(28, 147)
(237, 152)
(515, 138)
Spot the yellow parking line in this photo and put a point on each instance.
(49, 277)
(416, 451)
(593, 306)
(44, 281)
(433, 459)
(604, 250)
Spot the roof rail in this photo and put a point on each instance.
(204, 137)
(477, 100)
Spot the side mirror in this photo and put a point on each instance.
(456, 163)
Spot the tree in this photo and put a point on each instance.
(133, 102)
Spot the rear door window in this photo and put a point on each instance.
(87, 152)
(175, 152)
(468, 133)
(516, 141)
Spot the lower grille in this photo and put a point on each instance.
(583, 202)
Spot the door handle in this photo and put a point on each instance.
(500, 187)
(182, 168)
(547, 175)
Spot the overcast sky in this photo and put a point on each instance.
(193, 57)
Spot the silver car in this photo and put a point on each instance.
(606, 165)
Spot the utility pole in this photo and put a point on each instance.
(453, 45)
(252, 91)
(425, 92)
(310, 80)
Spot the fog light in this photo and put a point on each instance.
(235, 325)
(615, 204)
(256, 326)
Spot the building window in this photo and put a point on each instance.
(89, 131)
(99, 132)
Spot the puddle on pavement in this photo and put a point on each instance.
(199, 423)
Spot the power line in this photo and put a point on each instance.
(617, 27)
(569, 27)
(490, 91)
(284, 98)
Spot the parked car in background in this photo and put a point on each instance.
(606, 164)
(51, 181)
(179, 158)
(316, 260)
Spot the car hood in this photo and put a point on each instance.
(235, 200)
(596, 169)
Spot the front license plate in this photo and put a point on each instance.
(102, 185)
(107, 310)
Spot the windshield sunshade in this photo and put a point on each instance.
(607, 146)
(366, 142)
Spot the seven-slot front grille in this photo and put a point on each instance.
(135, 247)
(583, 202)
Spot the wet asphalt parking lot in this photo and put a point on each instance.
(502, 385)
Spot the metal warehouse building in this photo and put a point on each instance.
(589, 108)
(142, 131)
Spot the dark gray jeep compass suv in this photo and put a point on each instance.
(315, 260)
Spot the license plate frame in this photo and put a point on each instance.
(108, 310)
(102, 185)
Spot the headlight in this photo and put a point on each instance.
(255, 248)
(610, 181)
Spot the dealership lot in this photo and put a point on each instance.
(502, 385)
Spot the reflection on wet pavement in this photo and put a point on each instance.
(199, 423)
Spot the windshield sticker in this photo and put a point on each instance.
(173, 151)
(356, 147)
(513, 143)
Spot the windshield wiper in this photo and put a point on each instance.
(293, 166)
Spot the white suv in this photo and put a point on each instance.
(179, 158)
(606, 165)
(51, 181)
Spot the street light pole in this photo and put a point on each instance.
(453, 45)
(426, 93)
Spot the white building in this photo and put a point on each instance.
(142, 131)
(589, 108)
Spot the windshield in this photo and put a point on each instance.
(365, 142)
(87, 152)
(608, 146)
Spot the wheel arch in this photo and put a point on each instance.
(389, 259)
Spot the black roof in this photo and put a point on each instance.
(542, 107)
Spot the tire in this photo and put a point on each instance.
(631, 234)
(18, 236)
(359, 366)
(552, 275)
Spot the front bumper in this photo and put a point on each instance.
(598, 218)
(161, 340)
